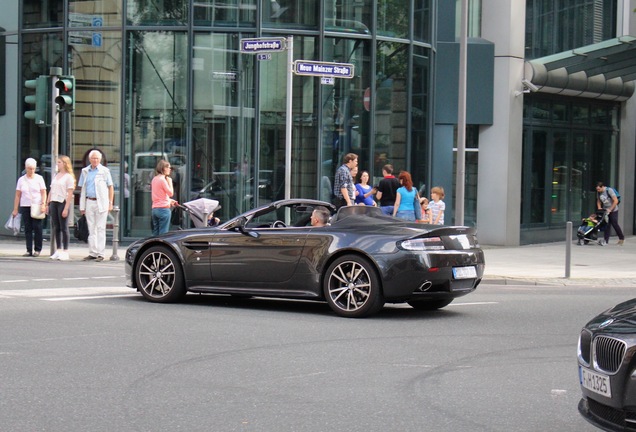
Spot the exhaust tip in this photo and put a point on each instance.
(425, 286)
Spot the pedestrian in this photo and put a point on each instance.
(96, 200)
(343, 186)
(405, 198)
(426, 212)
(162, 191)
(30, 191)
(607, 200)
(60, 205)
(386, 190)
(364, 191)
(437, 206)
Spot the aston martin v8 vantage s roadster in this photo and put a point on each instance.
(607, 368)
(358, 262)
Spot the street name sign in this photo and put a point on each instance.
(263, 45)
(323, 69)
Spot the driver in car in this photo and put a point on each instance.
(320, 216)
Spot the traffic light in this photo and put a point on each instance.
(66, 99)
(40, 100)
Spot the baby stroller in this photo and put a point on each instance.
(200, 210)
(590, 227)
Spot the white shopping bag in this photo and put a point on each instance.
(13, 223)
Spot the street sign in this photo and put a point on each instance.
(264, 56)
(261, 45)
(314, 68)
(327, 80)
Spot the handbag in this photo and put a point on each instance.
(81, 229)
(417, 207)
(36, 211)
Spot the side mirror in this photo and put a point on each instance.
(245, 231)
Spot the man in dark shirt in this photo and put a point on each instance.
(387, 189)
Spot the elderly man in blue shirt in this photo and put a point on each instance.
(96, 200)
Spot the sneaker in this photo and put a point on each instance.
(620, 242)
(89, 258)
(36, 253)
(63, 256)
(55, 255)
(602, 243)
(28, 254)
(99, 259)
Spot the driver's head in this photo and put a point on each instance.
(320, 216)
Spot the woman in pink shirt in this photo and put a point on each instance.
(162, 191)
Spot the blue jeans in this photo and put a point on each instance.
(161, 220)
(408, 215)
(387, 210)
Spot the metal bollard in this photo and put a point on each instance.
(568, 248)
(114, 256)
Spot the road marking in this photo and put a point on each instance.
(58, 279)
(66, 292)
(472, 304)
(91, 297)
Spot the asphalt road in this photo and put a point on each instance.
(80, 352)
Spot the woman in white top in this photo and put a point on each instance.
(61, 204)
(30, 190)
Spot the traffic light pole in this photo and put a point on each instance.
(55, 143)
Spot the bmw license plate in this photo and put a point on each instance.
(596, 382)
(464, 272)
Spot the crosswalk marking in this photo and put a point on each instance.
(61, 293)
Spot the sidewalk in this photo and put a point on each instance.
(541, 264)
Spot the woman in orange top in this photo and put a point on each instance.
(162, 191)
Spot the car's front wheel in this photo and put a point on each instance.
(159, 275)
(352, 287)
(429, 305)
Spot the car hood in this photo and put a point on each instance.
(619, 319)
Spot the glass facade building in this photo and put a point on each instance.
(168, 79)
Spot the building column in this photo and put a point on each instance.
(500, 149)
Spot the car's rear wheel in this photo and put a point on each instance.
(429, 305)
(159, 275)
(352, 287)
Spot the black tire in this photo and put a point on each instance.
(429, 305)
(159, 275)
(352, 287)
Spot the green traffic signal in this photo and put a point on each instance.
(66, 100)
(40, 100)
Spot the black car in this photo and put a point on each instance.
(607, 368)
(359, 261)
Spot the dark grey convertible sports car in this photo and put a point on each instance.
(359, 261)
(607, 368)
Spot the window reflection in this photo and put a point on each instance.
(281, 13)
(348, 17)
(227, 13)
(156, 93)
(345, 111)
(391, 105)
(88, 13)
(164, 12)
(393, 18)
(223, 124)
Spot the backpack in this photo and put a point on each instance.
(618, 196)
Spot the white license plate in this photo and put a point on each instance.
(596, 382)
(464, 272)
